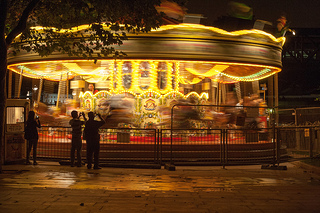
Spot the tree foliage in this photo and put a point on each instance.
(108, 20)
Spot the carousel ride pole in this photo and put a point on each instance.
(67, 88)
(20, 83)
(59, 91)
(276, 97)
(40, 90)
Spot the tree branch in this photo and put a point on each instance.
(3, 15)
(22, 25)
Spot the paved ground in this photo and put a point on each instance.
(49, 187)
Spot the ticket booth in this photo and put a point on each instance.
(15, 145)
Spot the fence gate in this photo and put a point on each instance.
(299, 142)
(191, 146)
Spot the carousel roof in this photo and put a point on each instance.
(244, 55)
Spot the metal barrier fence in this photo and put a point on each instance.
(115, 144)
(212, 145)
(54, 143)
(300, 142)
(187, 146)
(219, 146)
(133, 145)
(299, 116)
(191, 146)
(251, 146)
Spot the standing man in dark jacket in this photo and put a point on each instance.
(93, 139)
(31, 135)
(76, 142)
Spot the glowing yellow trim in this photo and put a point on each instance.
(149, 91)
(82, 95)
(174, 92)
(177, 77)
(111, 68)
(55, 75)
(73, 29)
(169, 78)
(185, 81)
(204, 94)
(213, 71)
(103, 91)
(90, 95)
(220, 31)
(254, 77)
(169, 27)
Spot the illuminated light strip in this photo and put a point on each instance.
(204, 94)
(111, 68)
(118, 78)
(160, 96)
(221, 31)
(32, 74)
(169, 27)
(177, 74)
(72, 30)
(11, 67)
(120, 61)
(149, 91)
(225, 82)
(98, 93)
(169, 78)
(253, 77)
(81, 95)
(174, 92)
(213, 71)
(185, 81)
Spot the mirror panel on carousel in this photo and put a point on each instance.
(127, 75)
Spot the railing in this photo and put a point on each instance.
(300, 142)
(187, 146)
(223, 146)
(250, 146)
(201, 146)
(134, 145)
(140, 145)
(54, 143)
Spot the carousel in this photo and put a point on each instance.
(184, 63)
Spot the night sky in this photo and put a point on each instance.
(300, 13)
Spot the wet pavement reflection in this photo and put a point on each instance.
(118, 179)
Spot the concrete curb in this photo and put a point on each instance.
(308, 167)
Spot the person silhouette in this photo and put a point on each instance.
(91, 131)
(76, 141)
(31, 135)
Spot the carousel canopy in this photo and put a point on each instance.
(199, 51)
